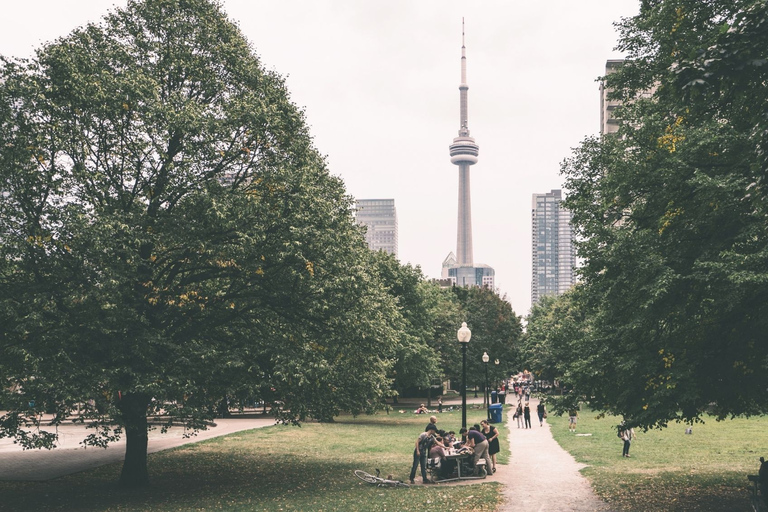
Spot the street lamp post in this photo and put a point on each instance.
(464, 335)
(487, 398)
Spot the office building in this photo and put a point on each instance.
(553, 251)
(379, 216)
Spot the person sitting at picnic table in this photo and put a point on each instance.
(438, 452)
(432, 425)
(478, 443)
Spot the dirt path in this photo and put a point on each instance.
(541, 475)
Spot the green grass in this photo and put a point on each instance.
(275, 468)
(669, 470)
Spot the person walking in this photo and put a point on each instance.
(541, 412)
(627, 435)
(519, 415)
(527, 415)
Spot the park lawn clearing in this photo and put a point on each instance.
(274, 468)
(669, 470)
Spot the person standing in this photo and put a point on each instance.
(627, 435)
(527, 415)
(439, 404)
(491, 433)
(573, 415)
(519, 415)
(541, 412)
(420, 457)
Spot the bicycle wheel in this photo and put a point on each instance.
(366, 477)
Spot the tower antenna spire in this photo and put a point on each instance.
(464, 153)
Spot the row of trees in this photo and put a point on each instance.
(671, 317)
(170, 237)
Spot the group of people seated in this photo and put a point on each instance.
(441, 444)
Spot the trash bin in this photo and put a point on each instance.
(493, 397)
(495, 411)
(502, 397)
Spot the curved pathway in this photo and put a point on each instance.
(69, 457)
(541, 475)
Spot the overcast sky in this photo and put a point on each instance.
(379, 83)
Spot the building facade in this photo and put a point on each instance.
(379, 216)
(553, 250)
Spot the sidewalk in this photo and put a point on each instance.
(541, 475)
(70, 457)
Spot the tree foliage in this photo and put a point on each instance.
(672, 213)
(495, 328)
(171, 236)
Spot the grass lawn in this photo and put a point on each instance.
(669, 470)
(275, 468)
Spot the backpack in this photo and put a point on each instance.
(426, 444)
(618, 433)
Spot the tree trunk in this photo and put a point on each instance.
(133, 408)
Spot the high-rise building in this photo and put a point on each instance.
(379, 216)
(553, 251)
(607, 122)
(464, 152)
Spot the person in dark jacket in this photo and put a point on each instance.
(527, 415)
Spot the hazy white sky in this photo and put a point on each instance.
(379, 84)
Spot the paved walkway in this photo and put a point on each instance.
(541, 475)
(69, 457)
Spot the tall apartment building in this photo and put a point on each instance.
(379, 216)
(553, 251)
(607, 122)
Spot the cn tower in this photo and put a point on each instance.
(464, 153)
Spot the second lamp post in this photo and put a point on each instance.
(464, 334)
(487, 395)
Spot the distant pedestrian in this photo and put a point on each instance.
(541, 412)
(527, 415)
(627, 435)
(573, 415)
(519, 415)
(439, 404)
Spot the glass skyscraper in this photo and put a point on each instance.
(554, 255)
(380, 218)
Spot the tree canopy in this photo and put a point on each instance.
(672, 215)
(170, 236)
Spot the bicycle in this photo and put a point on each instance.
(377, 480)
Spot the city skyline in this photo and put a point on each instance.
(377, 82)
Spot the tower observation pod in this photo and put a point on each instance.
(464, 152)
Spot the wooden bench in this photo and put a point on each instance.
(758, 505)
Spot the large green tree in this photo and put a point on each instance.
(673, 212)
(496, 329)
(170, 236)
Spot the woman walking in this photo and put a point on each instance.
(541, 412)
(519, 415)
(527, 415)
